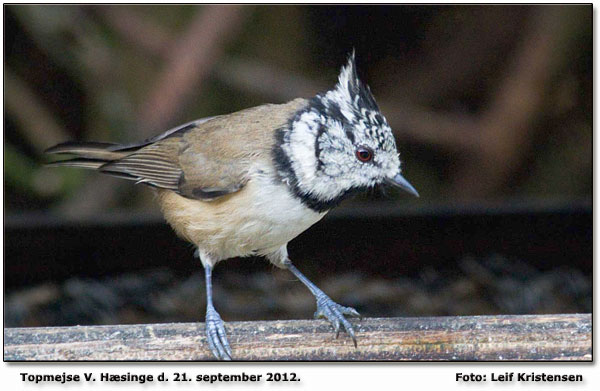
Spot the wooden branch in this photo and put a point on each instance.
(504, 337)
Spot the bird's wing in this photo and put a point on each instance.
(210, 159)
(153, 165)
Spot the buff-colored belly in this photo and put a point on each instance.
(258, 219)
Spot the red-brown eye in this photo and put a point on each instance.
(364, 154)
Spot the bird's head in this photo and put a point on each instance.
(339, 143)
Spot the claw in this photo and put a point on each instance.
(216, 336)
(352, 312)
(327, 308)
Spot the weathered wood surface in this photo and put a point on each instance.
(506, 337)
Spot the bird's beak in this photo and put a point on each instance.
(399, 181)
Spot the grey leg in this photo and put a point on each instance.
(327, 308)
(215, 329)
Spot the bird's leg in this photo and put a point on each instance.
(215, 329)
(326, 308)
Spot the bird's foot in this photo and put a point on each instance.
(215, 334)
(327, 308)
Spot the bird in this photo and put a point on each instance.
(247, 183)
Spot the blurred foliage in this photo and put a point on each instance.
(487, 102)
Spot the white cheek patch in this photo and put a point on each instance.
(335, 137)
(335, 146)
(301, 150)
(301, 142)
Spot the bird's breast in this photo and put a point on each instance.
(258, 219)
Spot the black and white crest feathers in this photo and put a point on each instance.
(352, 104)
(356, 89)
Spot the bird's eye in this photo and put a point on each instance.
(364, 154)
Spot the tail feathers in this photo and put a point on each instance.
(92, 164)
(89, 155)
(89, 150)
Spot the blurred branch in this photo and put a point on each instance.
(189, 60)
(448, 130)
(39, 127)
(505, 128)
(137, 30)
(267, 80)
(36, 122)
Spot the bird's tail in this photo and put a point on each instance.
(90, 155)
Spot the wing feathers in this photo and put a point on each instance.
(149, 166)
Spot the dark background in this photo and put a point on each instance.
(491, 107)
